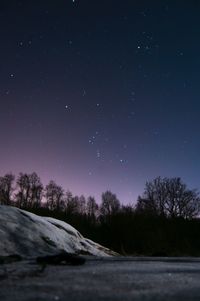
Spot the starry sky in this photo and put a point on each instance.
(100, 95)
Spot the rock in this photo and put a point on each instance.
(28, 235)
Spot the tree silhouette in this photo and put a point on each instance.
(165, 219)
(30, 190)
(54, 196)
(6, 189)
(110, 205)
(169, 197)
(36, 191)
(82, 205)
(92, 208)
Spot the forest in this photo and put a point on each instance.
(163, 221)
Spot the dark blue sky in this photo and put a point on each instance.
(100, 94)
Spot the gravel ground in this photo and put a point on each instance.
(112, 279)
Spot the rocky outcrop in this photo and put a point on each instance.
(28, 235)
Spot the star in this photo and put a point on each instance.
(98, 154)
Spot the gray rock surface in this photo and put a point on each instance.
(123, 279)
(29, 235)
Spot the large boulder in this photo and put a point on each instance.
(29, 235)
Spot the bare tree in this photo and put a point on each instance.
(169, 197)
(6, 189)
(110, 204)
(54, 196)
(72, 204)
(92, 207)
(36, 191)
(23, 194)
(181, 201)
(146, 206)
(30, 190)
(82, 205)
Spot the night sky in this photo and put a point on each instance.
(100, 95)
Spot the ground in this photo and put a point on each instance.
(111, 279)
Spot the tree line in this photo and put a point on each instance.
(163, 220)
